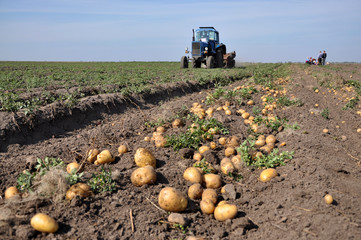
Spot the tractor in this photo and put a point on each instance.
(207, 51)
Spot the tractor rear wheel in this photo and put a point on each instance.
(210, 62)
(184, 62)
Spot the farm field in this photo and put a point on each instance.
(52, 114)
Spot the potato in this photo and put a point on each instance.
(245, 115)
(229, 151)
(79, 189)
(11, 192)
(104, 157)
(222, 203)
(222, 140)
(228, 112)
(122, 149)
(192, 175)
(260, 143)
(203, 149)
(232, 141)
(268, 174)
(225, 211)
(237, 162)
(177, 123)
(270, 139)
(147, 139)
(207, 206)
(160, 141)
(195, 191)
(197, 157)
(71, 166)
(212, 180)
(227, 166)
(328, 199)
(44, 223)
(92, 155)
(172, 200)
(143, 157)
(212, 145)
(143, 175)
(210, 194)
(160, 129)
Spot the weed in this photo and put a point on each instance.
(235, 176)
(194, 136)
(102, 182)
(43, 166)
(285, 101)
(25, 181)
(325, 113)
(351, 104)
(294, 126)
(202, 164)
(244, 150)
(181, 227)
(73, 177)
(272, 160)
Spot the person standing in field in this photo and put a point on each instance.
(324, 55)
(319, 59)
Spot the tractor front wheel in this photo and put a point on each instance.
(210, 62)
(184, 62)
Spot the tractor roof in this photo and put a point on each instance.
(207, 28)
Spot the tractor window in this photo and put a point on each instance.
(202, 36)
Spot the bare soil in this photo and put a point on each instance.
(290, 206)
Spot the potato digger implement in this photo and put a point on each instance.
(207, 51)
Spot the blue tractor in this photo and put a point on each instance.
(208, 51)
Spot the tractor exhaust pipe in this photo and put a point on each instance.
(193, 38)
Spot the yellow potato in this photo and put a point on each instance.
(122, 149)
(203, 149)
(177, 123)
(270, 139)
(143, 157)
(79, 189)
(237, 162)
(225, 211)
(260, 142)
(207, 206)
(44, 223)
(229, 151)
(222, 140)
(71, 166)
(213, 145)
(143, 175)
(171, 199)
(210, 194)
(104, 157)
(232, 141)
(195, 191)
(212, 180)
(11, 192)
(160, 129)
(328, 199)
(92, 155)
(227, 166)
(268, 174)
(197, 156)
(160, 141)
(192, 175)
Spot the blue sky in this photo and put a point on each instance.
(110, 30)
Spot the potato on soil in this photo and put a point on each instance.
(192, 175)
(171, 199)
(197, 156)
(260, 142)
(104, 157)
(79, 189)
(232, 141)
(222, 140)
(207, 206)
(71, 166)
(212, 180)
(270, 139)
(160, 141)
(44, 223)
(177, 123)
(160, 129)
(268, 174)
(92, 155)
(143, 175)
(328, 199)
(237, 162)
(229, 151)
(122, 149)
(212, 145)
(11, 192)
(203, 149)
(211, 194)
(195, 191)
(143, 157)
(225, 211)
(227, 166)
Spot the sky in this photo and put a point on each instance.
(156, 30)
